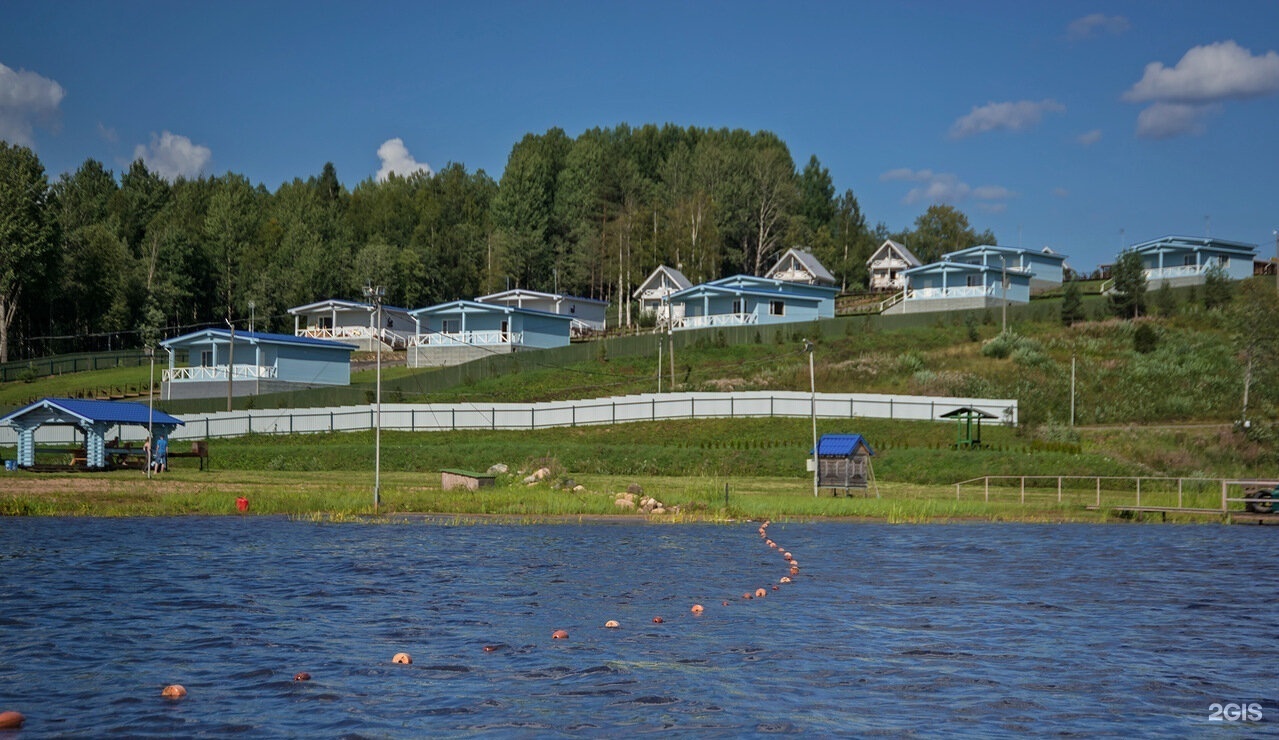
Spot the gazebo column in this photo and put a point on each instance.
(26, 446)
(95, 442)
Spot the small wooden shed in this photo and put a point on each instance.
(451, 478)
(843, 462)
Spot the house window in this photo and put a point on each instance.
(777, 308)
(325, 322)
(1189, 260)
(206, 358)
(451, 326)
(737, 305)
(974, 281)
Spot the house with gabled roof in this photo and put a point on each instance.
(1185, 260)
(353, 322)
(587, 314)
(745, 300)
(799, 266)
(1044, 267)
(888, 263)
(953, 286)
(204, 363)
(460, 331)
(653, 293)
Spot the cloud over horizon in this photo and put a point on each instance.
(1012, 116)
(26, 99)
(1183, 95)
(172, 156)
(397, 160)
(946, 187)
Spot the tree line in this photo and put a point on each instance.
(89, 262)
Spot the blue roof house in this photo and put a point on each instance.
(353, 323)
(1044, 266)
(257, 363)
(746, 300)
(461, 331)
(1182, 260)
(587, 314)
(955, 286)
(94, 419)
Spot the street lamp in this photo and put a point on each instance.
(376, 294)
(252, 315)
(1003, 280)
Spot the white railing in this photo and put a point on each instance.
(390, 338)
(715, 319)
(963, 291)
(218, 372)
(464, 338)
(1160, 273)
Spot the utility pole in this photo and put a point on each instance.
(230, 364)
(1003, 272)
(151, 414)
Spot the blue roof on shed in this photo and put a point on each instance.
(111, 412)
(204, 335)
(840, 445)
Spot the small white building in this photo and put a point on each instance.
(653, 293)
(353, 323)
(799, 266)
(588, 314)
(887, 265)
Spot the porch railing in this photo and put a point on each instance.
(459, 339)
(717, 319)
(218, 372)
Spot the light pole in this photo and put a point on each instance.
(1003, 280)
(812, 409)
(151, 413)
(252, 315)
(376, 294)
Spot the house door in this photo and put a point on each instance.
(506, 327)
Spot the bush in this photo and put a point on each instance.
(1145, 340)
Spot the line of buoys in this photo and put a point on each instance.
(403, 658)
(697, 609)
(658, 620)
(173, 691)
(612, 624)
(559, 635)
(302, 676)
(11, 720)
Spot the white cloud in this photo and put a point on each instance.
(1095, 25)
(26, 99)
(172, 156)
(946, 187)
(1206, 76)
(1014, 116)
(108, 134)
(1088, 138)
(1209, 74)
(397, 160)
(1166, 120)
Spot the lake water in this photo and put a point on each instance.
(969, 630)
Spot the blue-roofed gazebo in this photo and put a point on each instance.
(93, 418)
(843, 462)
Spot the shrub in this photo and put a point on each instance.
(1145, 339)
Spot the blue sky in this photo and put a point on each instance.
(1079, 126)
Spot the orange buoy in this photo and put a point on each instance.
(403, 658)
(746, 596)
(658, 620)
(559, 635)
(785, 579)
(173, 691)
(760, 593)
(11, 720)
(303, 676)
(492, 648)
(794, 570)
(612, 624)
(786, 556)
(697, 609)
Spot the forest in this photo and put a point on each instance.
(91, 262)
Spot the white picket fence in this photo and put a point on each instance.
(614, 410)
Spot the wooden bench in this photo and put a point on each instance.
(199, 449)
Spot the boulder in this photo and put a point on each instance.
(635, 488)
(622, 503)
(498, 469)
(579, 488)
